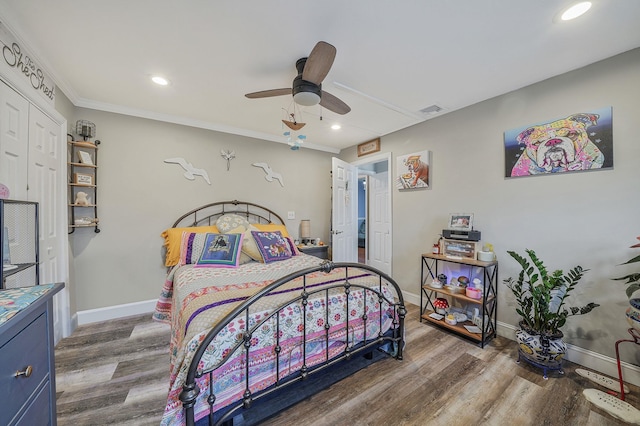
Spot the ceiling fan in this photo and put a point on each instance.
(307, 86)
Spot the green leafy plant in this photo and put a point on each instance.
(633, 279)
(541, 295)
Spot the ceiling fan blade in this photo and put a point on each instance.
(269, 93)
(332, 103)
(319, 62)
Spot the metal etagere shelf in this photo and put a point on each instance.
(83, 177)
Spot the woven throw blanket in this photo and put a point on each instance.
(201, 297)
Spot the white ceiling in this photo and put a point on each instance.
(394, 58)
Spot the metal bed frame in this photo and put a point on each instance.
(391, 342)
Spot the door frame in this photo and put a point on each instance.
(373, 159)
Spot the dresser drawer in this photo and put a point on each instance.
(27, 348)
(38, 411)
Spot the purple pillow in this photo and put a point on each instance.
(272, 245)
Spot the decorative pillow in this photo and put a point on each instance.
(272, 245)
(244, 258)
(272, 227)
(293, 247)
(173, 238)
(221, 251)
(249, 245)
(228, 222)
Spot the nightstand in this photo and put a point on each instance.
(318, 251)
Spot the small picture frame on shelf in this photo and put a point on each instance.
(85, 158)
(82, 179)
(460, 222)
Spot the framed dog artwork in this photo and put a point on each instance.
(579, 142)
(414, 171)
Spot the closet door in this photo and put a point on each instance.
(14, 141)
(44, 187)
(47, 178)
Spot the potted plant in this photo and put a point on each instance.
(633, 285)
(541, 296)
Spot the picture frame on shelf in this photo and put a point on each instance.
(82, 179)
(460, 222)
(85, 158)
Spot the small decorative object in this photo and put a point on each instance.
(442, 278)
(190, 171)
(4, 191)
(82, 179)
(414, 171)
(581, 141)
(436, 283)
(83, 221)
(82, 199)
(540, 297)
(474, 293)
(633, 285)
(86, 129)
(450, 319)
(270, 175)
(228, 155)
(441, 305)
(293, 124)
(486, 256)
(464, 281)
(85, 158)
(369, 147)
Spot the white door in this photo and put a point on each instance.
(379, 222)
(14, 141)
(46, 175)
(344, 211)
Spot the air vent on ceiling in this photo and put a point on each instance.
(431, 110)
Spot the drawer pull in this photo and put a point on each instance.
(26, 373)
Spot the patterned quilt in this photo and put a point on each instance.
(194, 299)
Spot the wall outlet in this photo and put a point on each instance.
(291, 215)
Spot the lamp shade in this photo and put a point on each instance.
(305, 229)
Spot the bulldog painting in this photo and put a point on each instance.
(414, 171)
(559, 146)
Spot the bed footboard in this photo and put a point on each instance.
(383, 302)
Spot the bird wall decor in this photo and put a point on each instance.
(190, 171)
(270, 174)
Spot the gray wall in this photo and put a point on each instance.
(588, 219)
(139, 196)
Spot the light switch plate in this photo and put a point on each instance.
(291, 215)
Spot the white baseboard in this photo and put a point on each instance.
(113, 312)
(589, 359)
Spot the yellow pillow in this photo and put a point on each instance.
(173, 237)
(249, 246)
(244, 257)
(272, 227)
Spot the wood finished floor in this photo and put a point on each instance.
(116, 372)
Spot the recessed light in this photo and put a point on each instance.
(336, 127)
(161, 81)
(576, 10)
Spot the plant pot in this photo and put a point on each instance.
(547, 351)
(633, 313)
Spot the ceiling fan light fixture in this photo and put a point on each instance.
(306, 98)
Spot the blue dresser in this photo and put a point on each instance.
(27, 368)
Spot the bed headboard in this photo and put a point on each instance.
(208, 214)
